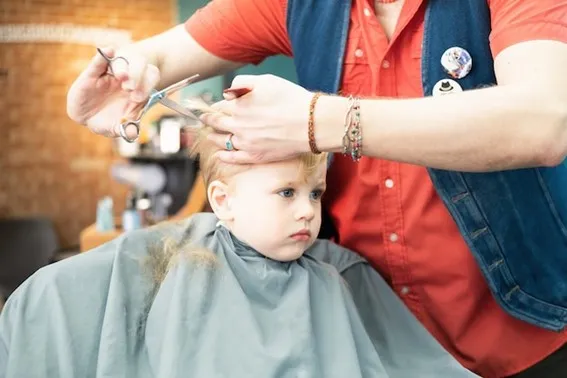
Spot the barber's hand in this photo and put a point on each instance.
(100, 101)
(268, 124)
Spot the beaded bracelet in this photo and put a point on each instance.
(352, 138)
(347, 122)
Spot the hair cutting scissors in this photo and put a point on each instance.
(155, 97)
(161, 97)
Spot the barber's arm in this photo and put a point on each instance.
(99, 101)
(177, 55)
(521, 122)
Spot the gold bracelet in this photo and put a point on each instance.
(311, 124)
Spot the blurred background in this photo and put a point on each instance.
(64, 190)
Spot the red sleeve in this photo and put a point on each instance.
(245, 31)
(515, 21)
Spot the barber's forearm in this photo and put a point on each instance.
(483, 130)
(177, 55)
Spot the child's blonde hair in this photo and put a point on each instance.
(212, 168)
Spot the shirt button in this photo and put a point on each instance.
(393, 237)
(358, 53)
(404, 290)
(386, 64)
(367, 12)
(389, 183)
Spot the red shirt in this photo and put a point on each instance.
(389, 212)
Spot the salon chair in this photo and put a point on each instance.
(26, 244)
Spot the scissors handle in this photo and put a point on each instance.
(124, 125)
(110, 60)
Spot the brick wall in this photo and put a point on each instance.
(49, 165)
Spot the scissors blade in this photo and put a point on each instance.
(178, 108)
(176, 86)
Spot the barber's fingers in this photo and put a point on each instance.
(245, 81)
(130, 130)
(148, 82)
(232, 93)
(131, 112)
(137, 77)
(98, 64)
(133, 68)
(221, 122)
(220, 140)
(234, 156)
(241, 85)
(225, 107)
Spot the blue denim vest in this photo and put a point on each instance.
(514, 221)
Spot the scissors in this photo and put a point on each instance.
(161, 97)
(155, 97)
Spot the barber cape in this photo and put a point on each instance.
(121, 310)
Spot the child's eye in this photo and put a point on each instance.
(316, 194)
(287, 193)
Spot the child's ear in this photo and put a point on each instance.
(219, 199)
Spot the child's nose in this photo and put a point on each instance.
(305, 209)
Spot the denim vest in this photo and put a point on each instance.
(514, 221)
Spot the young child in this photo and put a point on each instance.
(245, 292)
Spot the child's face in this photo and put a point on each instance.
(276, 209)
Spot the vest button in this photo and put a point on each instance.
(358, 53)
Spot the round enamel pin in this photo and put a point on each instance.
(457, 62)
(445, 87)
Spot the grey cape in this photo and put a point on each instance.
(122, 311)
